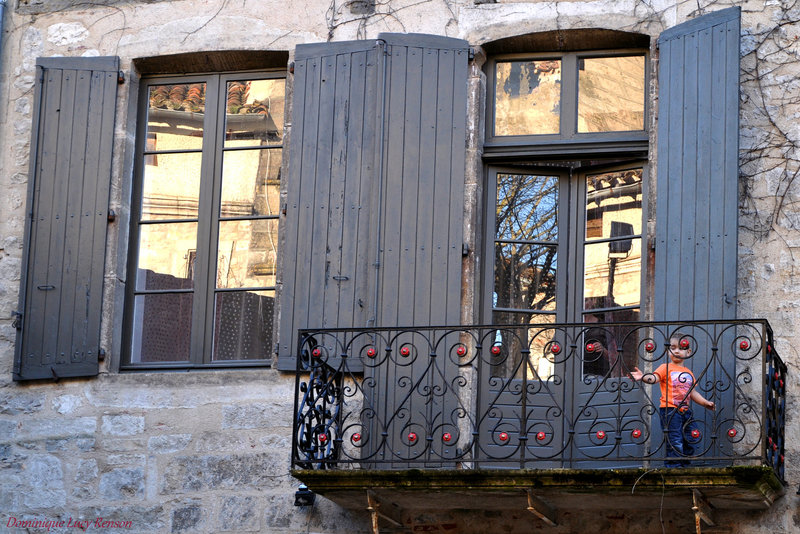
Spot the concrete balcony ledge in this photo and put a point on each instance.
(547, 491)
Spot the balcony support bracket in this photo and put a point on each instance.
(373, 505)
(702, 510)
(541, 509)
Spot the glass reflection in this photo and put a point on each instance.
(614, 348)
(612, 279)
(175, 117)
(538, 364)
(525, 276)
(527, 207)
(527, 97)
(171, 186)
(611, 94)
(162, 326)
(614, 204)
(166, 256)
(251, 183)
(247, 253)
(243, 325)
(254, 115)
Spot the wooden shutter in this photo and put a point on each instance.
(375, 196)
(697, 188)
(65, 233)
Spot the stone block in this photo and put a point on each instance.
(122, 484)
(240, 471)
(239, 514)
(122, 425)
(66, 404)
(188, 518)
(168, 443)
(57, 428)
(15, 402)
(86, 471)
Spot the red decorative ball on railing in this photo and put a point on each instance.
(503, 436)
(780, 383)
(495, 349)
(781, 458)
(744, 345)
(649, 346)
(774, 446)
(356, 437)
(461, 350)
(446, 437)
(601, 434)
(695, 433)
(684, 344)
(591, 347)
(371, 352)
(323, 438)
(405, 351)
(555, 348)
(769, 441)
(732, 432)
(636, 433)
(777, 375)
(540, 436)
(316, 353)
(412, 437)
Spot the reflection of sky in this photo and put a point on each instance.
(527, 207)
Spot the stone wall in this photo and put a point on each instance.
(209, 451)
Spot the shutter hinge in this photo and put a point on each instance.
(112, 216)
(464, 249)
(291, 67)
(17, 322)
(120, 77)
(471, 53)
(101, 354)
(55, 375)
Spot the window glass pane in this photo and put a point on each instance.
(527, 97)
(612, 277)
(243, 325)
(254, 115)
(614, 205)
(611, 94)
(610, 351)
(251, 182)
(166, 256)
(527, 207)
(162, 325)
(175, 116)
(247, 253)
(171, 186)
(540, 363)
(525, 276)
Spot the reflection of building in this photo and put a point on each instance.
(539, 184)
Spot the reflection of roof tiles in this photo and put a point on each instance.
(192, 98)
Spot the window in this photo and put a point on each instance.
(566, 206)
(204, 233)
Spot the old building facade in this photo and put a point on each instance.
(187, 183)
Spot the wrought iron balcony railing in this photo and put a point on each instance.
(539, 396)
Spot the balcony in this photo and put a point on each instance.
(539, 418)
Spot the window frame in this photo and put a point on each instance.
(568, 140)
(204, 290)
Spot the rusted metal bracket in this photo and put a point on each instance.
(702, 510)
(372, 506)
(541, 509)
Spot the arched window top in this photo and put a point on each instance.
(567, 41)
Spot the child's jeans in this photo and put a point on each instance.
(678, 425)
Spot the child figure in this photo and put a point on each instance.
(677, 391)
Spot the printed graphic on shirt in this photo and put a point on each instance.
(681, 385)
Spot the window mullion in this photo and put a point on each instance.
(206, 242)
(569, 96)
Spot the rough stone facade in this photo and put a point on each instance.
(209, 451)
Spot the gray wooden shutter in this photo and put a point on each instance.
(377, 154)
(697, 188)
(65, 233)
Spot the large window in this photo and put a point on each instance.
(202, 271)
(566, 148)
